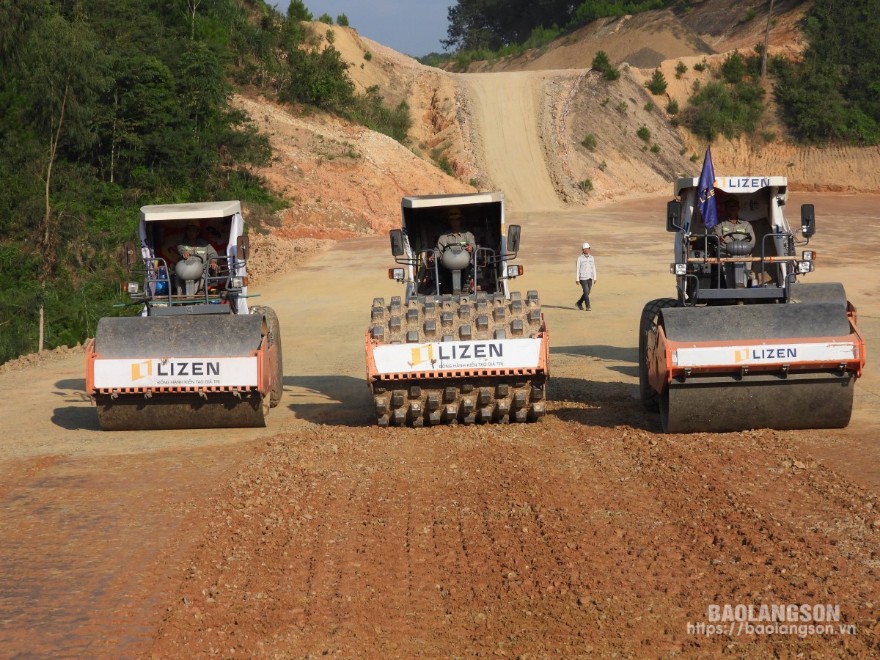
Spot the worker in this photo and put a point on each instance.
(194, 244)
(735, 229)
(736, 238)
(456, 237)
(586, 276)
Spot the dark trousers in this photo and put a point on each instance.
(586, 285)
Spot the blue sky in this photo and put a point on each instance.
(412, 27)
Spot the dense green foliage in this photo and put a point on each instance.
(730, 105)
(107, 105)
(104, 106)
(834, 93)
(459, 61)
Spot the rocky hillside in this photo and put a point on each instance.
(343, 180)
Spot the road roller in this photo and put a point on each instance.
(745, 343)
(194, 354)
(459, 347)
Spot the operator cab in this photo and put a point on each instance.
(433, 271)
(710, 270)
(170, 281)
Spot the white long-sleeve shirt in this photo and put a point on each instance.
(586, 268)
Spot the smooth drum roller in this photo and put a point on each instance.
(745, 343)
(788, 366)
(181, 372)
(729, 404)
(181, 411)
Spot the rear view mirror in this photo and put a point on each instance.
(673, 216)
(396, 236)
(513, 238)
(131, 255)
(242, 248)
(808, 220)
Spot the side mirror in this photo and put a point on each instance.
(131, 255)
(513, 238)
(396, 236)
(673, 216)
(808, 220)
(242, 248)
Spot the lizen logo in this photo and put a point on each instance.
(165, 368)
(746, 183)
(455, 352)
(471, 351)
(188, 369)
(765, 354)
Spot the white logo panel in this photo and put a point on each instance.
(177, 372)
(486, 354)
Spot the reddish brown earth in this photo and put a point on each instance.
(588, 534)
(581, 536)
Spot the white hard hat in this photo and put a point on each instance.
(585, 246)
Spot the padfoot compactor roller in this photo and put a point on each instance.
(459, 347)
(745, 344)
(197, 356)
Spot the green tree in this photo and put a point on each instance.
(726, 109)
(317, 78)
(736, 68)
(657, 84)
(108, 106)
(478, 24)
(297, 11)
(602, 64)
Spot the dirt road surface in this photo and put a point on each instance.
(588, 533)
(507, 108)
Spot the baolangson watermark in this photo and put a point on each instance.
(801, 620)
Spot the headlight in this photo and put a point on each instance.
(131, 288)
(678, 269)
(515, 271)
(236, 282)
(809, 255)
(395, 274)
(806, 266)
